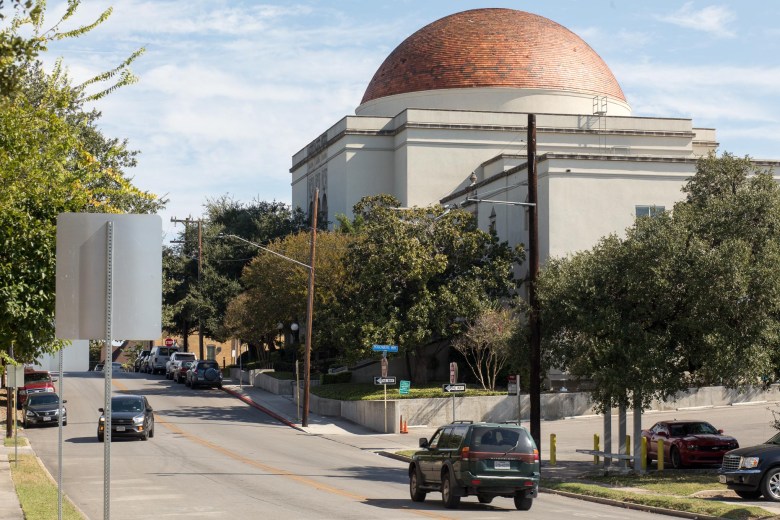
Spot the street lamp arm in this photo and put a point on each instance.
(223, 235)
(507, 202)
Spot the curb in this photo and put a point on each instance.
(628, 505)
(263, 409)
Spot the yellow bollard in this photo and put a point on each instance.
(644, 454)
(596, 448)
(660, 454)
(552, 449)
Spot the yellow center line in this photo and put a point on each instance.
(270, 469)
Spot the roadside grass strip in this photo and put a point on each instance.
(38, 492)
(8, 442)
(648, 497)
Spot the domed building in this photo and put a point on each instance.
(445, 120)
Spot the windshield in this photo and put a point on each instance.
(697, 428)
(37, 377)
(43, 399)
(127, 405)
(774, 440)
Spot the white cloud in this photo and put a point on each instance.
(712, 19)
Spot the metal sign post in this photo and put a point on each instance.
(107, 370)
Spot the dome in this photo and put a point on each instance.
(494, 48)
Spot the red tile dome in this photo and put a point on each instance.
(493, 48)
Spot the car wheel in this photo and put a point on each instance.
(414, 487)
(448, 496)
(770, 485)
(24, 422)
(523, 502)
(145, 435)
(64, 423)
(151, 430)
(485, 499)
(748, 495)
(100, 437)
(675, 460)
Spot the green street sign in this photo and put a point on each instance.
(404, 388)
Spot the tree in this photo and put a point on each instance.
(687, 298)
(411, 274)
(187, 301)
(276, 289)
(53, 159)
(487, 343)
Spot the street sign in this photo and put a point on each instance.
(384, 380)
(385, 348)
(453, 373)
(404, 388)
(384, 367)
(15, 376)
(459, 387)
(168, 342)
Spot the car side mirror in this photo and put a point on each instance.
(65, 401)
(720, 431)
(101, 410)
(423, 442)
(54, 379)
(149, 409)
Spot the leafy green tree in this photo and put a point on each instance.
(276, 290)
(187, 300)
(53, 159)
(687, 298)
(412, 274)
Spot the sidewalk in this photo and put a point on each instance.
(9, 501)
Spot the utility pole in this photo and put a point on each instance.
(533, 273)
(310, 312)
(187, 221)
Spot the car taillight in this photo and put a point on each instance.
(536, 455)
(464, 453)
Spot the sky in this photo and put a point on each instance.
(228, 91)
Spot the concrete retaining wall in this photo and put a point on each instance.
(436, 411)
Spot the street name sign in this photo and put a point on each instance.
(384, 380)
(459, 387)
(385, 348)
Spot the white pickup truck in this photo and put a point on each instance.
(177, 357)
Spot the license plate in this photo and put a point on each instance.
(47, 419)
(120, 428)
(722, 479)
(500, 464)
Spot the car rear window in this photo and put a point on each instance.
(209, 364)
(185, 355)
(497, 438)
(166, 351)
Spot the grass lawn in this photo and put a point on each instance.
(371, 392)
(38, 492)
(9, 441)
(668, 491)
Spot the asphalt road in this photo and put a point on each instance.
(215, 457)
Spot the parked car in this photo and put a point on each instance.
(35, 382)
(483, 459)
(688, 443)
(158, 357)
(140, 361)
(180, 370)
(43, 408)
(177, 356)
(753, 471)
(131, 415)
(204, 373)
(98, 367)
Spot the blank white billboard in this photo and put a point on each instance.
(82, 265)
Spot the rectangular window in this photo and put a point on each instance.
(211, 352)
(649, 211)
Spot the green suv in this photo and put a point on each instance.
(484, 459)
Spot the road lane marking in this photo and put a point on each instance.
(271, 469)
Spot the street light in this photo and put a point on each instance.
(309, 302)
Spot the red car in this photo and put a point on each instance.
(688, 443)
(35, 381)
